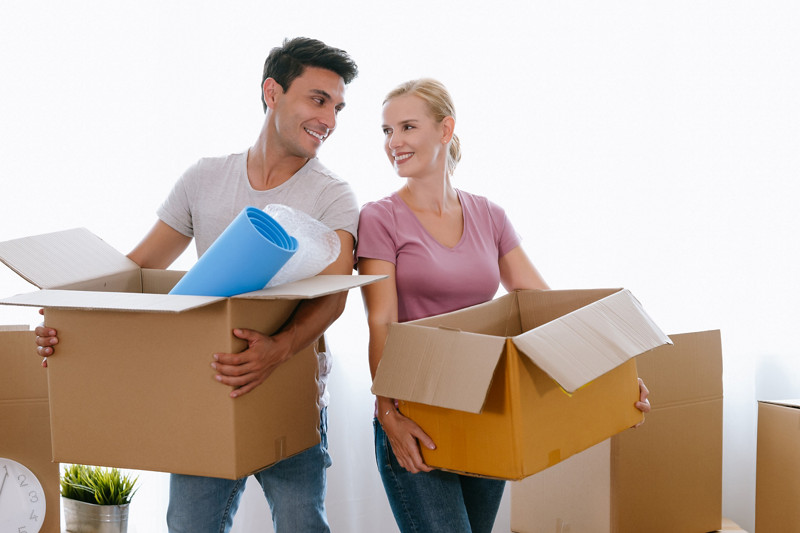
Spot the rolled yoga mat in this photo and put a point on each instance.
(242, 259)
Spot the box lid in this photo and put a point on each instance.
(62, 258)
(172, 303)
(583, 345)
(453, 369)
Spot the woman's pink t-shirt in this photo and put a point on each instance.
(432, 278)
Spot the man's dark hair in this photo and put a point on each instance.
(287, 62)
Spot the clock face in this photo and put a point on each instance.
(22, 502)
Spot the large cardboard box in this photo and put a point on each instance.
(515, 385)
(25, 419)
(131, 384)
(665, 476)
(778, 467)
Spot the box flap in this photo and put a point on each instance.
(792, 404)
(118, 301)
(437, 366)
(312, 287)
(585, 344)
(63, 258)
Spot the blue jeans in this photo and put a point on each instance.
(436, 501)
(294, 487)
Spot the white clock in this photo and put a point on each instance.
(22, 501)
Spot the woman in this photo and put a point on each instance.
(443, 249)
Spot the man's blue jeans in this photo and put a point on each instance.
(294, 487)
(437, 501)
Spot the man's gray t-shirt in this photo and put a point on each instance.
(212, 192)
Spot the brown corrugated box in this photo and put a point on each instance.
(131, 384)
(778, 467)
(510, 387)
(25, 418)
(665, 476)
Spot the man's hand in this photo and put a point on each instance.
(248, 369)
(46, 339)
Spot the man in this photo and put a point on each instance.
(302, 92)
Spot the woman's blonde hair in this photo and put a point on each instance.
(440, 105)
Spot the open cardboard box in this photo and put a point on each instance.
(510, 387)
(663, 477)
(132, 386)
(778, 466)
(25, 418)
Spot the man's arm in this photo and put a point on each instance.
(248, 369)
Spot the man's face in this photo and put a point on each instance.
(305, 115)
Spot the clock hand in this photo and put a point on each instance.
(3, 484)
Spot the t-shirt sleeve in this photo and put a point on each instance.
(507, 236)
(341, 211)
(376, 235)
(175, 211)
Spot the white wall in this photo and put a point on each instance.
(638, 144)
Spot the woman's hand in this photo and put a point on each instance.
(405, 437)
(643, 404)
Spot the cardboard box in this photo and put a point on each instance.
(515, 385)
(778, 467)
(665, 476)
(25, 417)
(131, 384)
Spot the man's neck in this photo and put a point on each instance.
(269, 166)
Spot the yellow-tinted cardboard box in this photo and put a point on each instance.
(131, 384)
(515, 385)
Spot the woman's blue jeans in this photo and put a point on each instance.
(437, 501)
(294, 487)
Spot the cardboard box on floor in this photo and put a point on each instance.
(665, 476)
(25, 417)
(132, 386)
(778, 467)
(488, 383)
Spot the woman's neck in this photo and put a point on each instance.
(429, 195)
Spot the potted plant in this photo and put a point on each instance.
(96, 499)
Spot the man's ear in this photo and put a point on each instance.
(272, 91)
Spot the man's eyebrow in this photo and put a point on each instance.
(327, 96)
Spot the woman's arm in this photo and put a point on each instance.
(517, 272)
(380, 303)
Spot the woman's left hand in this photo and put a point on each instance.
(643, 404)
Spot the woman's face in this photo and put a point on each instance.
(414, 142)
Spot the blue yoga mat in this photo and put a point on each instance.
(244, 258)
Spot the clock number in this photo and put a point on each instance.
(33, 497)
(34, 516)
(21, 478)
(21, 529)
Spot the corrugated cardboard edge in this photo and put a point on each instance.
(63, 258)
(586, 343)
(792, 404)
(437, 366)
(171, 303)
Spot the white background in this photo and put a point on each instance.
(647, 145)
